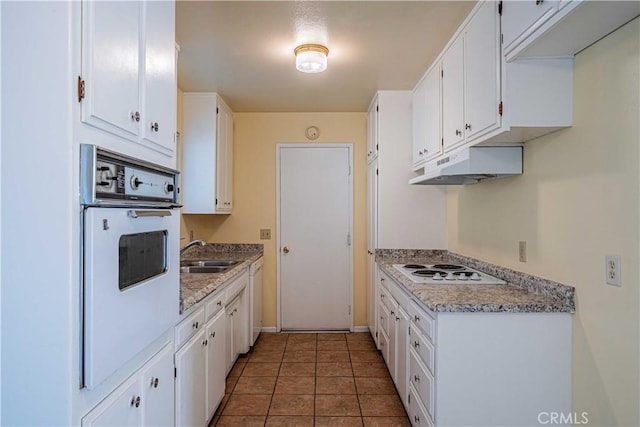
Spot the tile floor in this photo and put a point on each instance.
(306, 379)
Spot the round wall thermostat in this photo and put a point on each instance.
(312, 132)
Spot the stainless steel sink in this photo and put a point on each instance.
(203, 269)
(208, 263)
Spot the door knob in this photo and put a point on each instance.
(285, 249)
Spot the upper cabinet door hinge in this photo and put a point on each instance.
(216, 110)
(81, 89)
(442, 73)
(377, 108)
(500, 108)
(500, 8)
(349, 239)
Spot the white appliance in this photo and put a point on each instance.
(472, 165)
(130, 286)
(447, 274)
(255, 286)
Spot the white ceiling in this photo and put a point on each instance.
(244, 49)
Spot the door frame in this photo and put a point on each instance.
(279, 148)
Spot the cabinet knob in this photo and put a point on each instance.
(219, 304)
(154, 382)
(213, 334)
(416, 318)
(458, 133)
(420, 153)
(397, 318)
(195, 325)
(135, 116)
(467, 126)
(393, 313)
(416, 344)
(416, 378)
(539, 2)
(155, 126)
(135, 401)
(416, 419)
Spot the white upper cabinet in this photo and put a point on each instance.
(207, 170)
(427, 140)
(128, 71)
(471, 80)
(535, 29)
(453, 95)
(521, 18)
(159, 90)
(482, 72)
(110, 67)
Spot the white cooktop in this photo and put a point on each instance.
(444, 273)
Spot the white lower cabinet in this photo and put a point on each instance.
(200, 365)
(146, 398)
(474, 368)
(237, 327)
(215, 333)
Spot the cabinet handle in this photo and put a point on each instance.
(416, 318)
(416, 419)
(393, 313)
(155, 126)
(416, 344)
(420, 152)
(135, 401)
(467, 126)
(219, 304)
(235, 310)
(416, 378)
(213, 334)
(195, 325)
(458, 133)
(539, 2)
(154, 382)
(135, 116)
(397, 318)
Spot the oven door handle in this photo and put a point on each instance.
(137, 214)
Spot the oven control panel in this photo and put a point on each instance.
(110, 178)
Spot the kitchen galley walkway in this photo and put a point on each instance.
(304, 379)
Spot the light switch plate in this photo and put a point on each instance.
(265, 234)
(522, 251)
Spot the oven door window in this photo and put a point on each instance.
(142, 256)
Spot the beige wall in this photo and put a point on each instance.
(254, 187)
(577, 201)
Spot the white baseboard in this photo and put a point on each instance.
(269, 329)
(361, 329)
(273, 329)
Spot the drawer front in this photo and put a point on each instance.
(214, 304)
(236, 286)
(384, 318)
(422, 320)
(385, 298)
(422, 381)
(423, 348)
(415, 410)
(189, 327)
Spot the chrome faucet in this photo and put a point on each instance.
(192, 243)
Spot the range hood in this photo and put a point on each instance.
(472, 165)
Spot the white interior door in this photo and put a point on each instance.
(315, 257)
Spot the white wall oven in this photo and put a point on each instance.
(130, 286)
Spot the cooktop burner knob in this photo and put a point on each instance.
(475, 276)
(450, 276)
(437, 276)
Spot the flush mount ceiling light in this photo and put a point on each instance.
(311, 58)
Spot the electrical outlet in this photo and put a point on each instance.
(522, 251)
(265, 234)
(613, 270)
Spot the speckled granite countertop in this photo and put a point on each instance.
(194, 287)
(523, 293)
